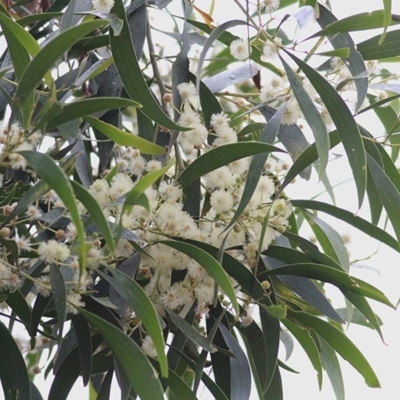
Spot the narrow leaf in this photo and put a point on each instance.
(210, 264)
(59, 294)
(341, 343)
(190, 332)
(46, 57)
(56, 178)
(221, 156)
(354, 62)
(332, 367)
(139, 301)
(130, 72)
(13, 373)
(358, 22)
(345, 124)
(95, 212)
(81, 108)
(359, 223)
(239, 367)
(335, 277)
(312, 117)
(125, 138)
(370, 49)
(134, 363)
(388, 194)
(307, 342)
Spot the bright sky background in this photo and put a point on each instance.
(383, 357)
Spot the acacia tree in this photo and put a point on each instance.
(145, 226)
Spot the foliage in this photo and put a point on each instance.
(145, 227)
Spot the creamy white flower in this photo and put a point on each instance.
(120, 184)
(265, 189)
(53, 251)
(148, 347)
(240, 49)
(43, 285)
(100, 191)
(137, 165)
(189, 118)
(268, 93)
(269, 5)
(218, 120)
(271, 48)
(204, 293)
(17, 161)
(221, 201)
(170, 191)
(103, 6)
(153, 165)
(225, 135)
(187, 91)
(219, 178)
(23, 244)
(73, 301)
(202, 309)
(196, 136)
(124, 248)
(162, 259)
(292, 112)
(175, 296)
(240, 166)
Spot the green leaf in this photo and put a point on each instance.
(60, 296)
(57, 179)
(140, 302)
(362, 305)
(312, 117)
(257, 165)
(210, 264)
(130, 72)
(387, 18)
(370, 49)
(214, 34)
(328, 274)
(342, 345)
(345, 124)
(17, 302)
(309, 156)
(332, 367)
(134, 363)
(84, 107)
(176, 384)
(137, 192)
(221, 156)
(240, 375)
(46, 57)
(227, 38)
(19, 55)
(95, 212)
(330, 240)
(308, 344)
(253, 127)
(388, 194)
(13, 373)
(359, 22)
(125, 138)
(343, 52)
(256, 351)
(358, 318)
(190, 332)
(350, 218)
(354, 62)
